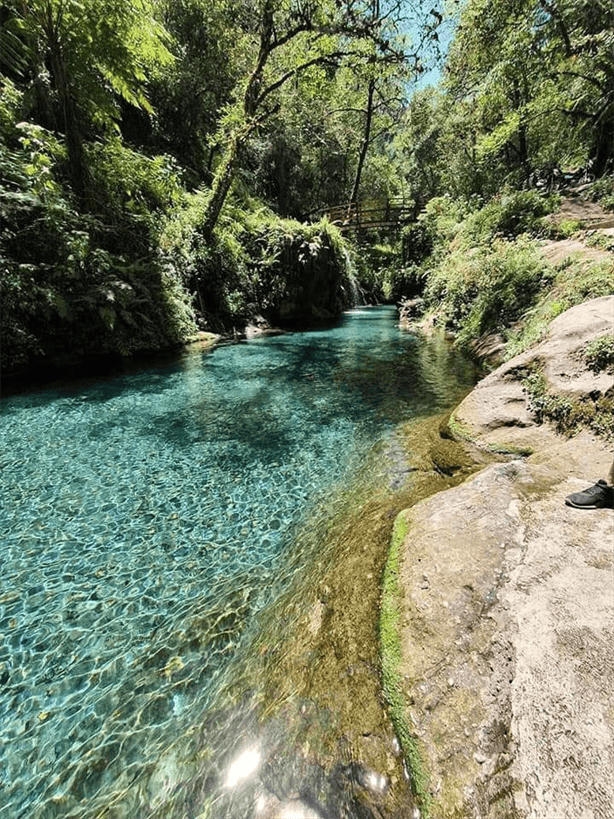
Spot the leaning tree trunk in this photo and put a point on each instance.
(221, 186)
(224, 177)
(366, 138)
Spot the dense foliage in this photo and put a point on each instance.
(527, 96)
(165, 164)
(482, 270)
(135, 136)
(78, 281)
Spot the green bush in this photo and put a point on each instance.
(487, 289)
(569, 415)
(444, 216)
(128, 184)
(298, 270)
(417, 242)
(257, 264)
(602, 191)
(508, 215)
(572, 282)
(378, 269)
(213, 271)
(599, 354)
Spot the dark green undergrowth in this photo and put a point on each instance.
(599, 354)
(602, 191)
(383, 273)
(83, 280)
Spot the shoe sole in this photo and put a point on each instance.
(588, 506)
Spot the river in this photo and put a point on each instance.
(148, 519)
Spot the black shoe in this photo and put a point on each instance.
(595, 497)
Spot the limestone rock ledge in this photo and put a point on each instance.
(497, 414)
(507, 601)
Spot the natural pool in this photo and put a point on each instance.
(147, 518)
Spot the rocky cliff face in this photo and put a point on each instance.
(508, 603)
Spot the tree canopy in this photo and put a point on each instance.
(528, 90)
(140, 138)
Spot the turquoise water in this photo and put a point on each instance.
(145, 520)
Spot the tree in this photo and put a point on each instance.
(538, 77)
(578, 43)
(294, 36)
(86, 54)
(189, 93)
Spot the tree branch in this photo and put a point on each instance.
(593, 80)
(320, 60)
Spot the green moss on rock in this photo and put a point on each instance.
(391, 661)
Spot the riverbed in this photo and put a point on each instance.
(150, 520)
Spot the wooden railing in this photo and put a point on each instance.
(371, 213)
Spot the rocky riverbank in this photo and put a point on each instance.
(506, 597)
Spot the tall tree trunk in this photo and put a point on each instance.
(68, 112)
(221, 186)
(523, 153)
(603, 148)
(366, 138)
(74, 142)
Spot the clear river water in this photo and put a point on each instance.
(146, 519)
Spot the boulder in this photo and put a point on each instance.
(508, 618)
(497, 413)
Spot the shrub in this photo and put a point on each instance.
(213, 272)
(379, 271)
(487, 289)
(569, 415)
(599, 354)
(298, 271)
(417, 242)
(571, 282)
(602, 191)
(257, 263)
(508, 215)
(565, 229)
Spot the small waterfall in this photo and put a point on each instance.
(358, 298)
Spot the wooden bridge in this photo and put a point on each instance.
(388, 214)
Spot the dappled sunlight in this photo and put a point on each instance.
(244, 766)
